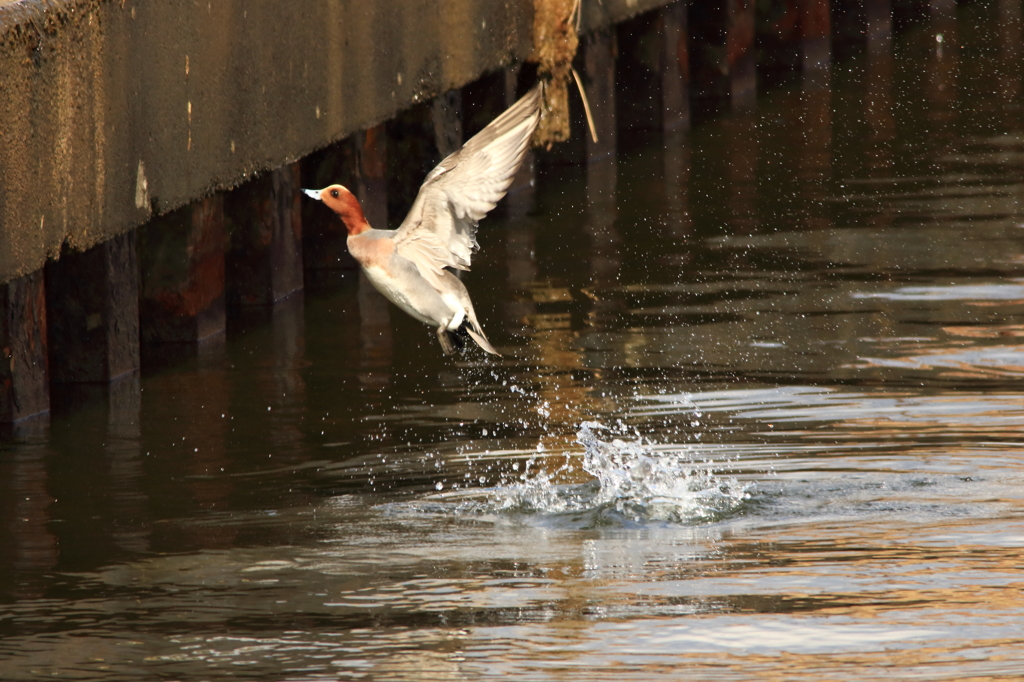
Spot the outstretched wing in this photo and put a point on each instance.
(440, 230)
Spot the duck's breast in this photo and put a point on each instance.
(372, 248)
(398, 278)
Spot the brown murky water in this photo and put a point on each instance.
(802, 331)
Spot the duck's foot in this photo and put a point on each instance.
(446, 343)
(452, 341)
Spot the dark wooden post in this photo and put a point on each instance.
(182, 264)
(599, 77)
(878, 112)
(942, 8)
(943, 20)
(520, 261)
(1010, 46)
(675, 69)
(676, 167)
(286, 252)
(740, 53)
(815, 42)
(372, 185)
(122, 443)
(814, 155)
(742, 150)
(24, 376)
(446, 116)
(264, 219)
(878, 25)
(92, 306)
(522, 194)
(602, 164)
(861, 23)
(30, 536)
(375, 333)
(941, 69)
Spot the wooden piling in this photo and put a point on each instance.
(599, 79)
(522, 193)
(24, 375)
(742, 150)
(942, 70)
(29, 544)
(446, 116)
(815, 42)
(372, 182)
(375, 333)
(814, 155)
(122, 443)
(1010, 46)
(943, 28)
(942, 9)
(740, 53)
(92, 304)
(182, 263)
(602, 163)
(412, 152)
(652, 71)
(878, 24)
(878, 114)
(676, 169)
(865, 25)
(723, 56)
(264, 220)
(675, 68)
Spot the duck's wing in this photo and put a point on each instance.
(440, 230)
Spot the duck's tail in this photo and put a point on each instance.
(452, 341)
(476, 332)
(482, 341)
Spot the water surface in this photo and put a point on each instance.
(758, 416)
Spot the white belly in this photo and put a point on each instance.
(422, 303)
(387, 285)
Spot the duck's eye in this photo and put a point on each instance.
(334, 193)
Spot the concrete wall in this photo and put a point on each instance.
(113, 111)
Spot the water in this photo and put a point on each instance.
(630, 485)
(759, 416)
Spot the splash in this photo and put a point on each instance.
(632, 484)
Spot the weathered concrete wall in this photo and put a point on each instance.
(113, 111)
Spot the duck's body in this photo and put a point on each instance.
(443, 305)
(412, 266)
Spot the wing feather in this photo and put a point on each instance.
(440, 230)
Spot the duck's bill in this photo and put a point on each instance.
(312, 193)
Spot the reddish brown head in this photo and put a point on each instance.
(345, 204)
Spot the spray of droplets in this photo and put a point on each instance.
(632, 483)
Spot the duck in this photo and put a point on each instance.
(415, 265)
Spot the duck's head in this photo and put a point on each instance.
(340, 200)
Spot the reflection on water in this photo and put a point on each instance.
(801, 327)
